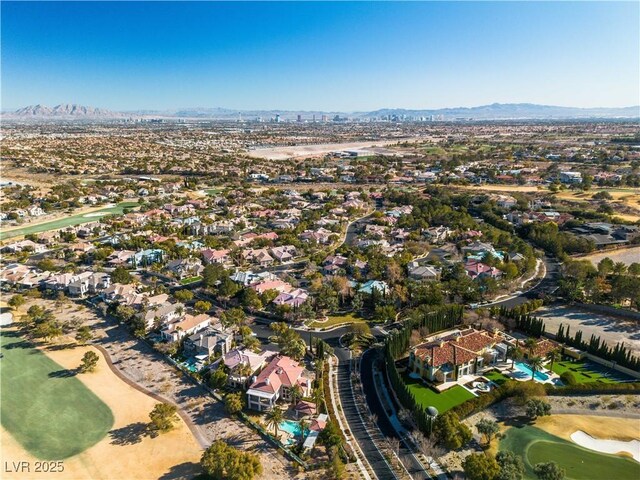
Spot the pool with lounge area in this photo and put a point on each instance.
(293, 429)
(524, 368)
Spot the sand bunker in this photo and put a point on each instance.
(607, 446)
(6, 318)
(95, 214)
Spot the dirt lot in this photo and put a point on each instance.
(626, 256)
(303, 151)
(610, 329)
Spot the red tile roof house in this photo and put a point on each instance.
(275, 382)
(294, 298)
(448, 358)
(277, 285)
(215, 256)
(477, 269)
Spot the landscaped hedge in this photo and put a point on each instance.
(595, 387)
(568, 378)
(511, 388)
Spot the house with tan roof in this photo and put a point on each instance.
(275, 382)
(243, 364)
(454, 355)
(258, 256)
(187, 325)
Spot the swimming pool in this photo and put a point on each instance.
(539, 376)
(291, 427)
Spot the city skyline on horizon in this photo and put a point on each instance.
(333, 57)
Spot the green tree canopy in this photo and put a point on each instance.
(479, 466)
(224, 462)
(163, 416)
(89, 362)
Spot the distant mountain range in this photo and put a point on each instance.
(495, 111)
(508, 111)
(62, 111)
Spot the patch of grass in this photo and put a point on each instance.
(496, 377)
(186, 281)
(443, 401)
(586, 372)
(334, 320)
(67, 221)
(537, 446)
(48, 410)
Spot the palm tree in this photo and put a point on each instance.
(304, 426)
(295, 393)
(275, 418)
(530, 343)
(619, 268)
(516, 354)
(536, 364)
(554, 356)
(318, 398)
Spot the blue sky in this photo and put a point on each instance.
(330, 56)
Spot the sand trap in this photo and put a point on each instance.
(6, 318)
(607, 446)
(95, 214)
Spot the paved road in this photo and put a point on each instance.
(356, 424)
(262, 330)
(546, 284)
(368, 385)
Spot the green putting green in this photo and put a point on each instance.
(538, 446)
(49, 411)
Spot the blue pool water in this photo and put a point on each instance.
(291, 427)
(523, 367)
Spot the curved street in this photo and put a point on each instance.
(382, 470)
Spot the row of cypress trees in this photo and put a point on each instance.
(596, 346)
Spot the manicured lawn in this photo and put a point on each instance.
(52, 414)
(537, 446)
(186, 281)
(68, 221)
(430, 398)
(338, 320)
(496, 377)
(586, 372)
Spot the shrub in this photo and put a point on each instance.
(537, 408)
(568, 378)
